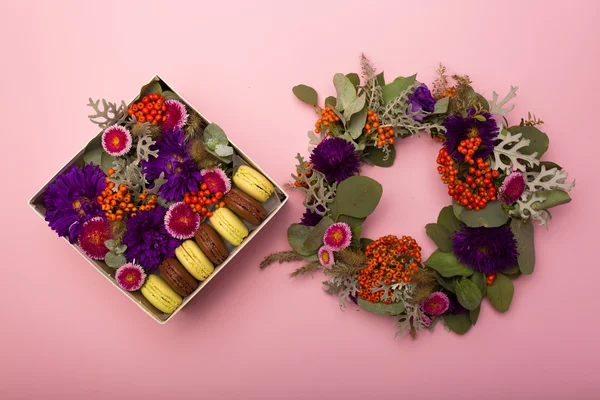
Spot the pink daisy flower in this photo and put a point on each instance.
(437, 303)
(130, 277)
(425, 320)
(116, 140)
(337, 236)
(94, 233)
(216, 180)
(512, 188)
(326, 257)
(181, 221)
(176, 114)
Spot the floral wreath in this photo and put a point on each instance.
(494, 175)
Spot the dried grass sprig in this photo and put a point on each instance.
(305, 269)
(280, 257)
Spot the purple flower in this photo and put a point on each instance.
(310, 218)
(71, 199)
(436, 304)
(421, 99)
(147, 239)
(336, 158)
(459, 129)
(180, 171)
(338, 236)
(512, 188)
(487, 250)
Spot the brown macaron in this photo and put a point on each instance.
(245, 206)
(177, 277)
(211, 244)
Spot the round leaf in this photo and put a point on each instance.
(440, 235)
(467, 293)
(354, 78)
(478, 279)
(501, 293)
(474, 315)
(297, 235)
(170, 95)
(346, 92)
(358, 196)
(554, 198)
(152, 87)
(448, 220)
(314, 240)
(394, 89)
(306, 94)
(459, 323)
(447, 265)
(523, 232)
(114, 260)
(381, 308)
(330, 101)
(539, 141)
(378, 157)
(490, 217)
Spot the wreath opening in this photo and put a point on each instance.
(494, 175)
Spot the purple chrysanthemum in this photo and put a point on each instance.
(436, 304)
(94, 233)
(310, 218)
(338, 236)
(181, 221)
(176, 114)
(71, 199)
(421, 99)
(512, 188)
(130, 277)
(326, 256)
(487, 250)
(216, 180)
(180, 171)
(147, 239)
(336, 158)
(116, 140)
(459, 129)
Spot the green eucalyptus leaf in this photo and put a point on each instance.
(467, 293)
(114, 260)
(354, 78)
(353, 222)
(479, 117)
(120, 249)
(224, 150)
(447, 265)
(554, 198)
(152, 87)
(306, 94)
(474, 315)
(170, 95)
(446, 283)
(357, 105)
(482, 101)
(314, 240)
(523, 232)
(358, 196)
(377, 156)
(490, 217)
(93, 151)
(539, 141)
(346, 92)
(459, 323)
(448, 220)
(214, 136)
(441, 106)
(357, 123)
(106, 161)
(297, 235)
(364, 242)
(394, 89)
(501, 293)
(440, 236)
(330, 101)
(479, 280)
(381, 308)
(110, 244)
(380, 79)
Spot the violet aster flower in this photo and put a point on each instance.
(216, 180)
(181, 172)
(326, 257)
(436, 304)
(512, 188)
(147, 239)
(94, 233)
(459, 129)
(487, 250)
(336, 158)
(421, 99)
(71, 199)
(338, 236)
(130, 277)
(310, 218)
(176, 114)
(116, 140)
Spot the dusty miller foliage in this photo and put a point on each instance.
(498, 108)
(410, 321)
(344, 287)
(372, 89)
(506, 153)
(526, 211)
(108, 114)
(318, 191)
(550, 179)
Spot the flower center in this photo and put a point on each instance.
(95, 238)
(473, 132)
(116, 141)
(434, 305)
(483, 249)
(326, 257)
(337, 235)
(130, 277)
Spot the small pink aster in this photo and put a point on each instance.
(425, 320)
(512, 188)
(176, 114)
(130, 277)
(93, 234)
(216, 180)
(116, 140)
(437, 303)
(337, 236)
(181, 221)
(326, 257)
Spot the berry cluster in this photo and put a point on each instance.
(449, 92)
(150, 109)
(468, 147)
(472, 189)
(119, 203)
(202, 200)
(389, 260)
(385, 134)
(327, 117)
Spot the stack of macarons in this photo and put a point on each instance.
(195, 260)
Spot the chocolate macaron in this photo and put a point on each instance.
(177, 277)
(245, 206)
(211, 244)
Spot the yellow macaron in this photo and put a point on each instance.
(160, 295)
(251, 182)
(194, 260)
(229, 226)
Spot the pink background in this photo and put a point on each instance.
(66, 332)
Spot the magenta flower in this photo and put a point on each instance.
(512, 188)
(425, 320)
(216, 180)
(181, 221)
(130, 277)
(326, 257)
(94, 233)
(116, 140)
(176, 114)
(437, 303)
(337, 236)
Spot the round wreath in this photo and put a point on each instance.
(485, 238)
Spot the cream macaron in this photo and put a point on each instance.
(160, 295)
(229, 226)
(194, 260)
(253, 183)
